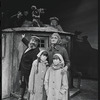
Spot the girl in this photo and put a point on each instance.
(56, 82)
(36, 78)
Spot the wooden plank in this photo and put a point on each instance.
(74, 92)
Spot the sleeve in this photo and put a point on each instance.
(32, 77)
(64, 86)
(25, 41)
(46, 81)
(66, 58)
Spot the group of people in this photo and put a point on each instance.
(44, 73)
(30, 18)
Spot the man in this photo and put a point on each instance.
(54, 22)
(29, 55)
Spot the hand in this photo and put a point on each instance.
(23, 35)
(66, 68)
(20, 82)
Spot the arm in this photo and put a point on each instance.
(46, 81)
(66, 59)
(32, 78)
(24, 40)
(64, 86)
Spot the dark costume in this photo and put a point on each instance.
(26, 64)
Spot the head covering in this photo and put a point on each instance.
(60, 57)
(35, 37)
(59, 38)
(44, 52)
(54, 18)
(39, 54)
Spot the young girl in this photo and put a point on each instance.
(36, 78)
(56, 82)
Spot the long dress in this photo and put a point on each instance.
(36, 81)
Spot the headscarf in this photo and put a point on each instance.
(59, 38)
(38, 60)
(61, 65)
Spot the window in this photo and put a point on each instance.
(42, 43)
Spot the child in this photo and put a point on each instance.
(56, 82)
(36, 78)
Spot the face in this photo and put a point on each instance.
(54, 23)
(54, 39)
(56, 61)
(43, 57)
(33, 43)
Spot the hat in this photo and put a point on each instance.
(57, 55)
(35, 37)
(54, 18)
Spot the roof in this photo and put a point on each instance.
(35, 29)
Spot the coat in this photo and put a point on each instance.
(36, 81)
(56, 84)
(27, 58)
(58, 49)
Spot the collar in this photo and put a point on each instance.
(57, 47)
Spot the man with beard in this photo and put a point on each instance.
(29, 55)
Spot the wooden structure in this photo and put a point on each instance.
(12, 49)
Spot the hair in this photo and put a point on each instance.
(45, 53)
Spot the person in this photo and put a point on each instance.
(36, 16)
(16, 19)
(56, 82)
(27, 19)
(54, 22)
(29, 55)
(55, 47)
(36, 78)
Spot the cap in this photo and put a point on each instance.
(35, 37)
(54, 18)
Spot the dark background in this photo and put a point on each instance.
(80, 15)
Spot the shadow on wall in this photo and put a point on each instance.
(84, 58)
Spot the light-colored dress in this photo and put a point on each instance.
(56, 84)
(36, 81)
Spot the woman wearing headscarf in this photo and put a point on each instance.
(55, 47)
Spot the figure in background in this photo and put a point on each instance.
(27, 19)
(29, 55)
(16, 20)
(56, 82)
(54, 22)
(36, 16)
(36, 78)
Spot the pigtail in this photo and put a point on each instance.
(38, 60)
